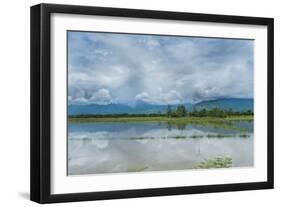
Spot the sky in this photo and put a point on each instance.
(106, 68)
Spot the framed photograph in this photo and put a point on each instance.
(133, 103)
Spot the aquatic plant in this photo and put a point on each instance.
(196, 136)
(244, 135)
(179, 137)
(217, 162)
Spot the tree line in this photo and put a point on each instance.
(179, 111)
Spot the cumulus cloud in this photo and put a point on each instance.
(79, 101)
(107, 67)
(171, 97)
(101, 97)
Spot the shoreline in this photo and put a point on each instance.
(179, 120)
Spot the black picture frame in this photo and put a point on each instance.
(40, 180)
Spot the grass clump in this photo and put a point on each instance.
(244, 135)
(217, 162)
(141, 138)
(180, 122)
(179, 137)
(196, 136)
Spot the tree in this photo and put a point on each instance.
(169, 111)
(216, 112)
(181, 111)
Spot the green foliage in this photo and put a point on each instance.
(179, 112)
(218, 162)
(179, 137)
(219, 135)
(244, 135)
(169, 111)
(216, 112)
(175, 118)
(194, 136)
(179, 122)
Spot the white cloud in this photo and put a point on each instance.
(79, 101)
(134, 67)
(161, 98)
(102, 96)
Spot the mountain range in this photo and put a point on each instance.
(236, 104)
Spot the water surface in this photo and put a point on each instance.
(105, 147)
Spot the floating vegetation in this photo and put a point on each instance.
(180, 122)
(195, 136)
(217, 162)
(227, 123)
(244, 135)
(219, 135)
(179, 137)
(140, 138)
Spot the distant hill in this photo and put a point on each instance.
(236, 104)
(98, 109)
(139, 108)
